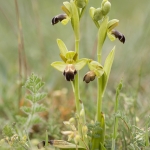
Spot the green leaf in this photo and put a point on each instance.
(108, 64)
(102, 31)
(102, 147)
(39, 86)
(36, 119)
(7, 131)
(26, 109)
(36, 97)
(62, 47)
(81, 63)
(59, 65)
(34, 83)
(21, 119)
(39, 108)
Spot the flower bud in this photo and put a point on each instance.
(72, 121)
(58, 18)
(70, 72)
(106, 8)
(89, 76)
(77, 139)
(84, 130)
(82, 113)
(80, 3)
(98, 15)
(71, 136)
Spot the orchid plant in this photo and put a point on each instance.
(83, 135)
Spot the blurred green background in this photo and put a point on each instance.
(41, 49)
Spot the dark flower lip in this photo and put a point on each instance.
(89, 76)
(58, 18)
(70, 72)
(118, 35)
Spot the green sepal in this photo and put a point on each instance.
(71, 57)
(67, 5)
(63, 57)
(59, 65)
(65, 21)
(112, 24)
(62, 47)
(111, 36)
(80, 63)
(66, 10)
(92, 10)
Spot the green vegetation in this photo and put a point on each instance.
(33, 110)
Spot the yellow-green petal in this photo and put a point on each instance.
(59, 65)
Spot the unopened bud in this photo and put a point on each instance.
(80, 3)
(106, 8)
(84, 130)
(72, 121)
(82, 113)
(98, 15)
(77, 139)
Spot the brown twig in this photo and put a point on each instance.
(21, 52)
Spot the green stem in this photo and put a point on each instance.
(116, 119)
(76, 83)
(101, 38)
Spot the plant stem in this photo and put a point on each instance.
(116, 119)
(101, 38)
(77, 91)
